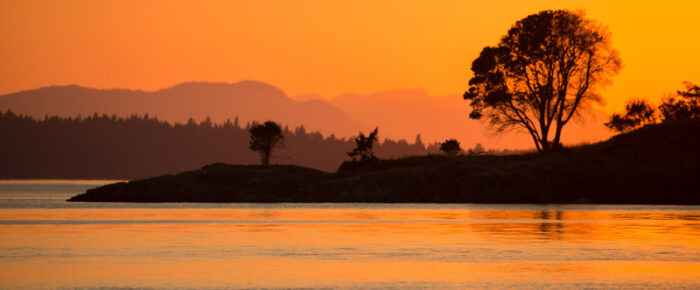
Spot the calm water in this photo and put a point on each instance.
(46, 242)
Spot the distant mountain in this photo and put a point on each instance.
(406, 113)
(247, 100)
(400, 114)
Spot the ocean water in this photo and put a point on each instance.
(46, 242)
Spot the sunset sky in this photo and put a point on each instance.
(325, 48)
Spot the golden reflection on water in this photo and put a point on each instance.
(360, 247)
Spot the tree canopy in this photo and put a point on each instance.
(543, 72)
(264, 138)
(638, 112)
(686, 105)
(450, 147)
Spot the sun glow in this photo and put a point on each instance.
(321, 47)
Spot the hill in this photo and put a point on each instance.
(657, 164)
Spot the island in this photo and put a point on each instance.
(656, 164)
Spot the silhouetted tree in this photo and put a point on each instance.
(363, 146)
(619, 123)
(235, 123)
(264, 138)
(686, 105)
(638, 112)
(450, 147)
(478, 150)
(419, 142)
(641, 111)
(541, 74)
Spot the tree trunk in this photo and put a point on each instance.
(546, 146)
(556, 143)
(265, 158)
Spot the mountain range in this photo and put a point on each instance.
(399, 114)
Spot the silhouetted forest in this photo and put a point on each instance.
(101, 146)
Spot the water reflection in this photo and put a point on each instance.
(52, 245)
(551, 230)
(288, 248)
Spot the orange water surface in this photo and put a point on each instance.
(48, 243)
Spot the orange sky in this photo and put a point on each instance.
(318, 47)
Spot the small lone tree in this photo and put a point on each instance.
(685, 106)
(548, 67)
(478, 150)
(363, 146)
(264, 138)
(638, 113)
(450, 147)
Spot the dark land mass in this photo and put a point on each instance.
(657, 164)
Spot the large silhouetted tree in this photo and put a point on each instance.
(264, 138)
(543, 72)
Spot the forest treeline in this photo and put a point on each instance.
(101, 146)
